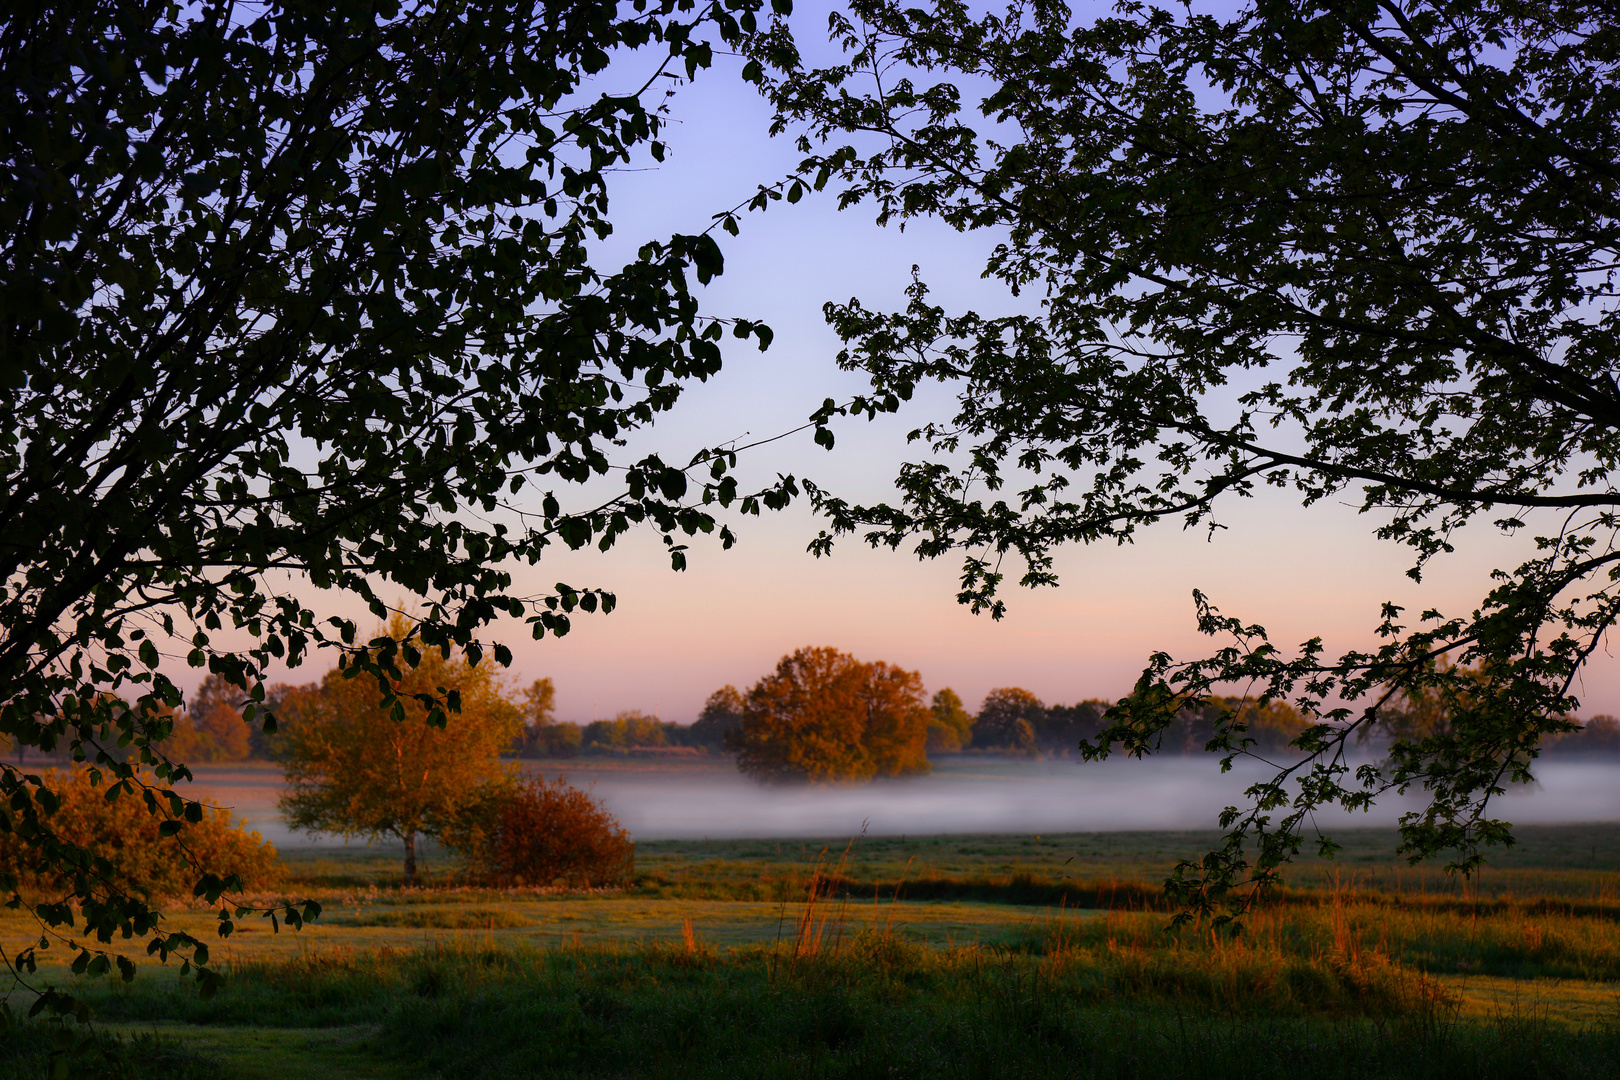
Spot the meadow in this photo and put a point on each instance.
(996, 955)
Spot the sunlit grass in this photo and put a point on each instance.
(931, 956)
(1076, 998)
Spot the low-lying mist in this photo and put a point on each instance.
(964, 795)
(996, 796)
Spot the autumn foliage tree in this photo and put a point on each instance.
(824, 716)
(211, 728)
(534, 832)
(357, 769)
(136, 850)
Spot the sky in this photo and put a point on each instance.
(677, 637)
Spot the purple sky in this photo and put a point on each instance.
(677, 637)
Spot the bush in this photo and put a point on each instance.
(531, 832)
(127, 835)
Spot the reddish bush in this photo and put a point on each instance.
(127, 835)
(531, 832)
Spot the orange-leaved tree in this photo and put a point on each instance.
(356, 769)
(531, 832)
(212, 729)
(824, 716)
(138, 852)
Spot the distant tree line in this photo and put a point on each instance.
(208, 728)
(627, 732)
(1599, 736)
(1014, 721)
(1011, 720)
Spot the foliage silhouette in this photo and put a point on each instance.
(1355, 250)
(1007, 720)
(299, 297)
(720, 718)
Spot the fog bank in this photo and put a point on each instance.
(987, 796)
(964, 795)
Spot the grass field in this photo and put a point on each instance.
(970, 956)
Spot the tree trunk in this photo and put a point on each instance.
(410, 857)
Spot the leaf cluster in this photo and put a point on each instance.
(1358, 251)
(300, 297)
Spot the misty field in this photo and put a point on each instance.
(995, 955)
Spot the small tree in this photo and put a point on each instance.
(540, 703)
(357, 769)
(824, 716)
(950, 726)
(1008, 720)
(721, 717)
(539, 716)
(544, 736)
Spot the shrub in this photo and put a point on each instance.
(530, 832)
(143, 861)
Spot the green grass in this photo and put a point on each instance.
(936, 956)
(1576, 862)
(877, 1005)
(41, 1049)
